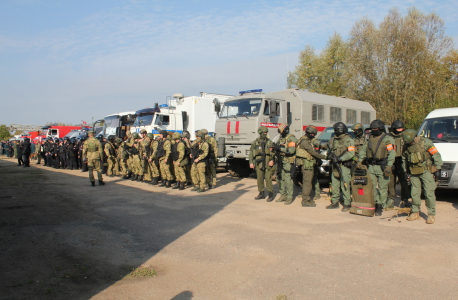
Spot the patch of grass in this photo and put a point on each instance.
(142, 272)
(282, 297)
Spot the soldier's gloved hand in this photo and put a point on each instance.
(437, 174)
(276, 147)
(387, 172)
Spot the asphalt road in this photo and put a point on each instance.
(221, 244)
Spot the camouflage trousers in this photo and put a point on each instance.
(188, 172)
(122, 167)
(155, 169)
(380, 183)
(198, 174)
(129, 163)
(211, 173)
(267, 174)
(307, 184)
(165, 169)
(429, 186)
(94, 164)
(137, 165)
(338, 185)
(286, 183)
(112, 167)
(147, 173)
(180, 172)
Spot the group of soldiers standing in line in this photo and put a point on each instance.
(170, 158)
(18, 149)
(60, 153)
(389, 157)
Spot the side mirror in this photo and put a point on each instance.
(272, 109)
(159, 123)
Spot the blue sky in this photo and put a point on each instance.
(73, 60)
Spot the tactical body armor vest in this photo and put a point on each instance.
(286, 155)
(377, 155)
(160, 149)
(418, 158)
(339, 147)
(359, 142)
(303, 158)
(210, 154)
(398, 144)
(175, 153)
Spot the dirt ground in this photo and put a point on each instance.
(62, 239)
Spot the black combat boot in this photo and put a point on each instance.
(168, 183)
(162, 183)
(260, 196)
(92, 183)
(378, 210)
(346, 208)
(271, 197)
(196, 188)
(37, 163)
(210, 186)
(176, 185)
(333, 205)
(140, 178)
(182, 186)
(201, 190)
(155, 181)
(133, 177)
(101, 182)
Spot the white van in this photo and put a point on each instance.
(441, 127)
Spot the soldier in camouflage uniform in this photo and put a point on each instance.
(200, 161)
(137, 152)
(316, 145)
(185, 136)
(211, 172)
(154, 162)
(341, 147)
(286, 147)
(163, 153)
(423, 162)
(397, 127)
(378, 153)
(93, 153)
(120, 168)
(127, 154)
(180, 160)
(110, 151)
(306, 156)
(262, 159)
(146, 144)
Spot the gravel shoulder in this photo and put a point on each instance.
(62, 239)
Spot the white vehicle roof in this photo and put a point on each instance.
(122, 114)
(443, 112)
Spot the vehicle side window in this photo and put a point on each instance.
(365, 117)
(335, 114)
(267, 108)
(318, 113)
(351, 116)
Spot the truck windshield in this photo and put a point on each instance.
(241, 108)
(440, 129)
(112, 121)
(144, 120)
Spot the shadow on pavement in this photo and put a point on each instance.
(63, 239)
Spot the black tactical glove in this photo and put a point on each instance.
(388, 171)
(276, 147)
(437, 174)
(85, 159)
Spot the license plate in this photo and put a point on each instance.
(444, 174)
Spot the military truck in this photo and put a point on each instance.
(240, 117)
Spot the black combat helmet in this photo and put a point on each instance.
(358, 129)
(56, 140)
(396, 126)
(311, 131)
(100, 137)
(111, 138)
(377, 127)
(340, 128)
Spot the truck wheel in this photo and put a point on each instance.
(298, 179)
(238, 167)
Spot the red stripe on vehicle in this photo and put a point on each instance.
(228, 127)
(237, 126)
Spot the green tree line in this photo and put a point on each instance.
(405, 67)
(4, 133)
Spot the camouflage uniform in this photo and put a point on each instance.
(211, 172)
(423, 162)
(380, 162)
(307, 156)
(146, 166)
(286, 146)
(92, 151)
(259, 148)
(342, 146)
(202, 158)
(155, 173)
(119, 163)
(185, 137)
(180, 160)
(110, 151)
(163, 153)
